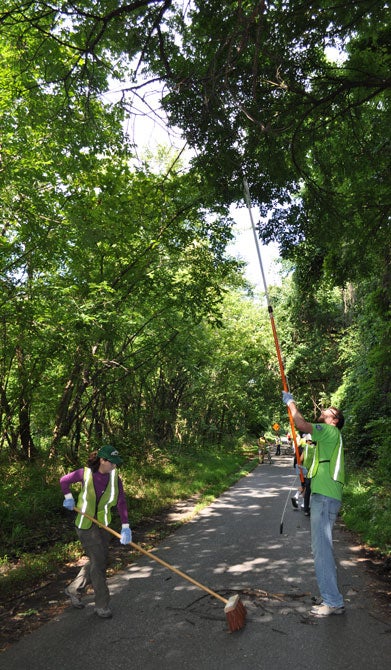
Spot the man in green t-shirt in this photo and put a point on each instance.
(327, 479)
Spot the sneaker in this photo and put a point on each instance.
(75, 599)
(103, 612)
(325, 610)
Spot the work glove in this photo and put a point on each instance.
(69, 503)
(287, 397)
(126, 534)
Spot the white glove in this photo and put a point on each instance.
(69, 502)
(287, 397)
(126, 534)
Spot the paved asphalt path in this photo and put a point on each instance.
(162, 622)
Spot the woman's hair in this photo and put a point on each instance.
(338, 415)
(93, 461)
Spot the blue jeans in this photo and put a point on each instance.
(324, 511)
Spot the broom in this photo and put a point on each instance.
(235, 611)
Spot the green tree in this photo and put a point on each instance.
(260, 97)
(311, 330)
(367, 375)
(233, 384)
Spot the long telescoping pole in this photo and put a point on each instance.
(273, 325)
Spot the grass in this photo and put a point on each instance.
(37, 534)
(33, 569)
(366, 510)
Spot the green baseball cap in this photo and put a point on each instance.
(110, 454)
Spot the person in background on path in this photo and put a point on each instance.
(278, 446)
(101, 490)
(261, 448)
(306, 453)
(307, 457)
(299, 467)
(326, 472)
(300, 450)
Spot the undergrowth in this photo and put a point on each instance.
(366, 510)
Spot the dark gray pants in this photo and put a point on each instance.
(95, 543)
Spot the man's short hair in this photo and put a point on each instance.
(338, 415)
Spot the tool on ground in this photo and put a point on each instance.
(235, 611)
(273, 325)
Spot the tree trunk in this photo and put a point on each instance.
(65, 415)
(29, 451)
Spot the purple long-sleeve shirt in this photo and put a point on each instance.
(100, 483)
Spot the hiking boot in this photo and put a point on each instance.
(103, 612)
(74, 598)
(325, 610)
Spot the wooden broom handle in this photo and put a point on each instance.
(155, 558)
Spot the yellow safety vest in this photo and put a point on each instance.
(337, 466)
(308, 455)
(87, 500)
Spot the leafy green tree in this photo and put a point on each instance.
(261, 98)
(233, 382)
(101, 261)
(97, 257)
(367, 375)
(311, 329)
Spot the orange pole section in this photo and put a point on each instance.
(285, 387)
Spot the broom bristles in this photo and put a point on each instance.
(235, 613)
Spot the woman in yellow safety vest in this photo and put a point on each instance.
(101, 490)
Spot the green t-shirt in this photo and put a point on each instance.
(327, 438)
